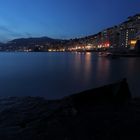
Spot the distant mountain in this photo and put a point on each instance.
(2, 44)
(33, 44)
(34, 40)
(49, 41)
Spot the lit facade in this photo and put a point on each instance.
(128, 31)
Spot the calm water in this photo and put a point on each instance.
(54, 75)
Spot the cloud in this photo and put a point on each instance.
(9, 32)
(28, 34)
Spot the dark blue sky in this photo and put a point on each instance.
(61, 18)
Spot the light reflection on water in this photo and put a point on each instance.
(102, 68)
(54, 75)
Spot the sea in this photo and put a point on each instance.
(54, 75)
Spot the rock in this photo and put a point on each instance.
(117, 93)
(86, 115)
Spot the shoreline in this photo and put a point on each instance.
(106, 112)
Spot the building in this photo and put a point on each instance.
(117, 38)
(113, 35)
(128, 31)
(138, 36)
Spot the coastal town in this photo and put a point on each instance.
(123, 37)
(69, 70)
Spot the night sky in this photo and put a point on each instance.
(61, 18)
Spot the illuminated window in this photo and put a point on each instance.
(133, 42)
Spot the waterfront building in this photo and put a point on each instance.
(138, 36)
(121, 37)
(113, 35)
(128, 31)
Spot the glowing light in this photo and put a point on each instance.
(99, 46)
(133, 42)
(49, 50)
(88, 47)
(88, 53)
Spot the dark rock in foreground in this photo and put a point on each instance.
(102, 113)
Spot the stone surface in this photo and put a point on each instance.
(103, 113)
